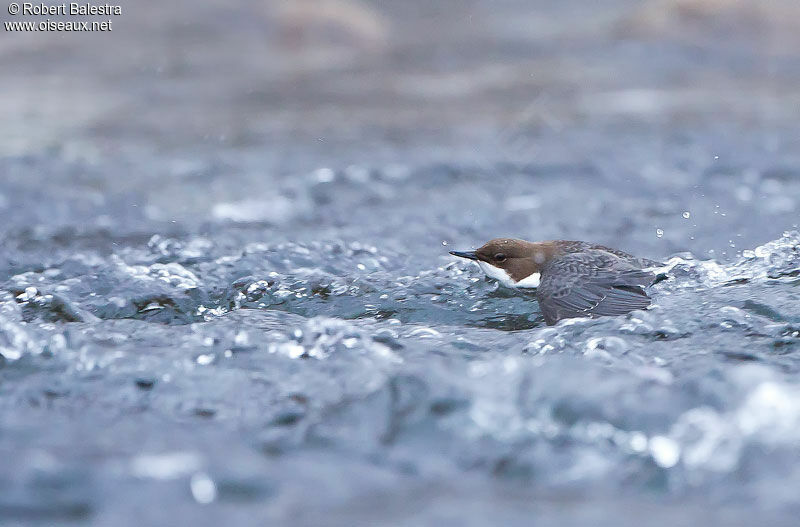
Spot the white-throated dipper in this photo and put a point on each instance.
(572, 279)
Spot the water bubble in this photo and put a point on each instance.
(604, 346)
(294, 351)
(241, 339)
(205, 360)
(686, 214)
(665, 451)
(164, 466)
(638, 441)
(424, 332)
(324, 175)
(29, 294)
(744, 194)
(659, 233)
(203, 488)
(522, 203)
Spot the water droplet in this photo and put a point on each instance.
(686, 214)
(659, 233)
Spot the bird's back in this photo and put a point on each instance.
(570, 246)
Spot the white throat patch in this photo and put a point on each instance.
(532, 280)
(503, 277)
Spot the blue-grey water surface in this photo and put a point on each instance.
(226, 298)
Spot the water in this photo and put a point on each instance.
(228, 298)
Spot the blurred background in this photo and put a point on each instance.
(193, 104)
(225, 293)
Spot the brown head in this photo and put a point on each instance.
(515, 263)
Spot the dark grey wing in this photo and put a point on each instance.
(591, 284)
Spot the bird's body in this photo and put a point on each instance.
(572, 278)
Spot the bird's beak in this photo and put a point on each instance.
(469, 255)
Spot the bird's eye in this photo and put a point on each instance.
(500, 257)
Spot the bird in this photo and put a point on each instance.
(572, 279)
